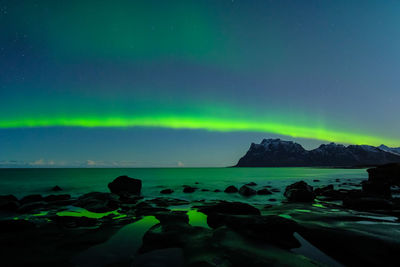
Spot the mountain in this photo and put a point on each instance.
(280, 153)
(395, 150)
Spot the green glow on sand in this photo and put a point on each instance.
(206, 123)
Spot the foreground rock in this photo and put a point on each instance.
(232, 208)
(231, 189)
(299, 192)
(124, 185)
(247, 191)
(98, 202)
(389, 173)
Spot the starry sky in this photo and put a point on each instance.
(192, 83)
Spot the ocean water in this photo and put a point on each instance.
(21, 182)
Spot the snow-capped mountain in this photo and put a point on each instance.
(395, 150)
(277, 152)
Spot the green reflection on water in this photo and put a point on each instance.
(197, 218)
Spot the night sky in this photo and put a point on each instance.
(192, 83)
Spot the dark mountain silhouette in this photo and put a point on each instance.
(280, 153)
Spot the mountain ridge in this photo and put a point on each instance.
(281, 153)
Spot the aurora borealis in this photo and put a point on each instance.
(315, 71)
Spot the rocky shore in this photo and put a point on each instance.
(314, 226)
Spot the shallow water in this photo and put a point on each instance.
(21, 182)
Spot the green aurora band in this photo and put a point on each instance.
(204, 123)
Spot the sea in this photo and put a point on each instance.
(21, 182)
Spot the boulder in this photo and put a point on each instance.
(247, 191)
(299, 192)
(7, 226)
(231, 189)
(217, 190)
(251, 184)
(166, 191)
(52, 198)
(376, 188)
(31, 198)
(272, 229)
(264, 191)
(123, 185)
(32, 206)
(389, 173)
(8, 198)
(56, 188)
(189, 189)
(9, 205)
(98, 202)
(367, 203)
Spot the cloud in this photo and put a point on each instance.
(181, 164)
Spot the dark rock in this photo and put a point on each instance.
(8, 198)
(7, 226)
(189, 189)
(98, 202)
(272, 199)
(52, 198)
(264, 192)
(31, 198)
(251, 184)
(272, 229)
(367, 203)
(316, 180)
(205, 190)
(74, 221)
(299, 192)
(196, 183)
(32, 206)
(231, 189)
(9, 205)
(376, 188)
(233, 208)
(56, 188)
(123, 185)
(389, 173)
(275, 190)
(217, 191)
(247, 191)
(166, 191)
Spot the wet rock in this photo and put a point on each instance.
(389, 173)
(316, 180)
(56, 188)
(247, 191)
(231, 189)
(31, 198)
(233, 208)
(264, 192)
(367, 203)
(9, 203)
(73, 221)
(98, 202)
(166, 191)
(145, 208)
(272, 229)
(377, 188)
(299, 192)
(217, 191)
(189, 189)
(32, 206)
(123, 185)
(272, 199)
(205, 190)
(52, 198)
(275, 190)
(251, 184)
(8, 198)
(7, 226)
(166, 202)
